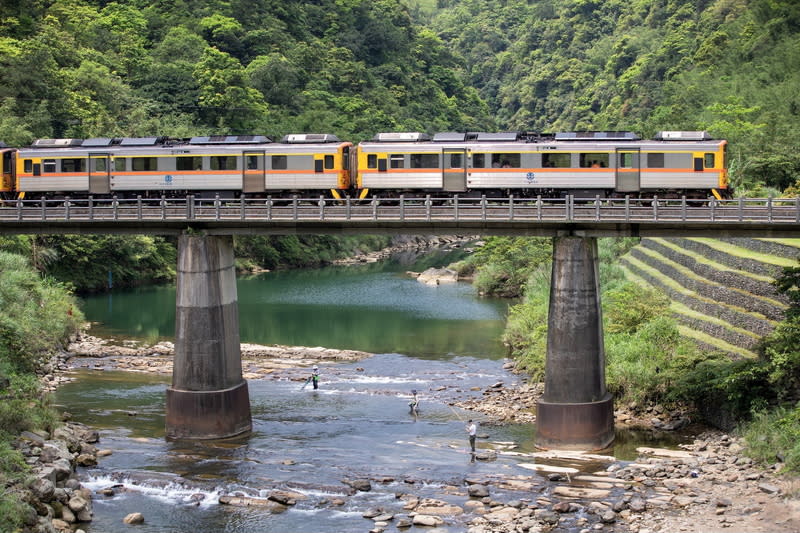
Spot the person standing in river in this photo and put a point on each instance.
(315, 377)
(472, 430)
(412, 405)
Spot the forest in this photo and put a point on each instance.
(84, 68)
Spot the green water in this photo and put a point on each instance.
(376, 308)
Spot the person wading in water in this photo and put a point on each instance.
(472, 430)
(414, 403)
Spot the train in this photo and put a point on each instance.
(608, 164)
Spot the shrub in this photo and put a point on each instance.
(774, 436)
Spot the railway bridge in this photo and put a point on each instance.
(208, 397)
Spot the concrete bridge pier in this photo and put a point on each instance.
(575, 412)
(208, 398)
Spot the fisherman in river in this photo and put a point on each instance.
(315, 377)
(414, 403)
(472, 430)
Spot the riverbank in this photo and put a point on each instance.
(709, 485)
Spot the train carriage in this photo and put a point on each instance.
(580, 163)
(250, 164)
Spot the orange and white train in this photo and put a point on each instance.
(608, 164)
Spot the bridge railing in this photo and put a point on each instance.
(428, 208)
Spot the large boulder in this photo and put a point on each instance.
(438, 276)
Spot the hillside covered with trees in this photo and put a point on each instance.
(83, 68)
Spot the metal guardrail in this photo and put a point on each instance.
(570, 209)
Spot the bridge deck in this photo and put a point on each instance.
(594, 217)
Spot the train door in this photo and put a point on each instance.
(7, 170)
(454, 169)
(99, 173)
(628, 170)
(253, 172)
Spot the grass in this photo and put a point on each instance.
(703, 260)
(745, 253)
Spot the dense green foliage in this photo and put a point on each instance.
(302, 250)
(36, 314)
(729, 66)
(502, 266)
(85, 68)
(635, 321)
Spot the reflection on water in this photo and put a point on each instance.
(375, 308)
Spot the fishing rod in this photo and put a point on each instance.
(455, 412)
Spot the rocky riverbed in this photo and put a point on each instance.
(708, 485)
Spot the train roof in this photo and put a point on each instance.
(571, 138)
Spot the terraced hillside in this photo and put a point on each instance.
(720, 289)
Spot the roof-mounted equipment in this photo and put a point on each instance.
(56, 143)
(230, 139)
(309, 138)
(140, 141)
(596, 136)
(97, 142)
(449, 136)
(409, 136)
(504, 136)
(683, 136)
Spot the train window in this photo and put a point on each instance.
(709, 160)
(100, 164)
(251, 162)
(505, 161)
(479, 161)
(556, 160)
(49, 165)
(328, 161)
(73, 165)
(28, 165)
(589, 160)
(119, 164)
(143, 164)
(655, 160)
(372, 161)
(626, 160)
(318, 165)
(456, 161)
(279, 162)
(397, 161)
(223, 162)
(188, 163)
(424, 160)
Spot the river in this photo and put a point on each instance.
(442, 341)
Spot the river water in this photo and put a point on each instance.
(442, 341)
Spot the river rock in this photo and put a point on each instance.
(501, 515)
(362, 485)
(134, 518)
(286, 497)
(60, 525)
(438, 276)
(244, 501)
(478, 491)
(43, 489)
(769, 488)
(427, 520)
(430, 506)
